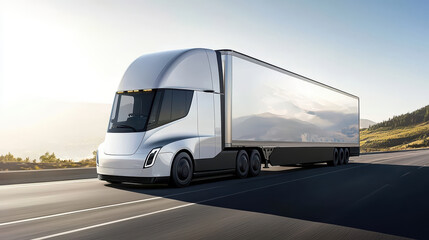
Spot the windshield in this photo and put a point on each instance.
(130, 111)
(144, 110)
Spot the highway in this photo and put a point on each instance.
(375, 196)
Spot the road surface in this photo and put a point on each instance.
(377, 196)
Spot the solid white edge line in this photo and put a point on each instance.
(187, 205)
(100, 207)
(112, 222)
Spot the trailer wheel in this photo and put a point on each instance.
(341, 157)
(335, 158)
(181, 171)
(346, 155)
(255, 163)
(242, 164)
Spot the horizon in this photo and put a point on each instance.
(63, 153)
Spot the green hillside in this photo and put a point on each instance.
(407, 131)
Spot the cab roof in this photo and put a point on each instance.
(194, 69)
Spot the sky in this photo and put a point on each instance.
(77, 51)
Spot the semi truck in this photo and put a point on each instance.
(183, 114)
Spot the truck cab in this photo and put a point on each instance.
(166, 106)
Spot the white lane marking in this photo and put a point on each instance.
(405, 174)
(188, 204)
(107, 206)
(14, 186)
(421, 167)
(101, 207)
(372, 193)
(116, 221)
(117, 204)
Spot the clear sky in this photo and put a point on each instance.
(78, 50)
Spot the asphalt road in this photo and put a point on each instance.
(379, 196)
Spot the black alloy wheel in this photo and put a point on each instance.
(335, 158)
(255, 163)
(242, 164)
(341, 157)
(182, 170)
(346, 155)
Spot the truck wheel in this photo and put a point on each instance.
(341, 157)
(181, 171)
(255, 163)
(346, 155)
(335, 157)
(242, 164)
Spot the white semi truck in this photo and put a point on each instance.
(188, 113)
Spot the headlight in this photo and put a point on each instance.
(150, 159)
(96, 158)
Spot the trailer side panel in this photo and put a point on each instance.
(272, 105)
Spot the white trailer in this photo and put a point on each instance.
(182, 114)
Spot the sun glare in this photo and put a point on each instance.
(44, 58)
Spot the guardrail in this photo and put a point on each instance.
(46, 175)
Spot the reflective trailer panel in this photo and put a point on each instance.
(269, 105)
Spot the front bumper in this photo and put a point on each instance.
(132, 165)
(143, 180)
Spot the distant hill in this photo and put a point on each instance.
(366, 123)
(409, 119)
(407, 131)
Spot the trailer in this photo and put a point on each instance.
(182, 114)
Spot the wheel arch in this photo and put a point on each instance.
(190, 155)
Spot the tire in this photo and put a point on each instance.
(335, 158)
(242, 164)
(346, 155)
(341, 157)
(255, 163)
(181, 170)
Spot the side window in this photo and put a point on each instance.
(165, 111)
(155, 109)
(169, 105)
(181, 103)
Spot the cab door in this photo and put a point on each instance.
(206, 125)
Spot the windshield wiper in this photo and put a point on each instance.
(126, 126)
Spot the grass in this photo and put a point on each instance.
(399, 138)
(10, 166)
